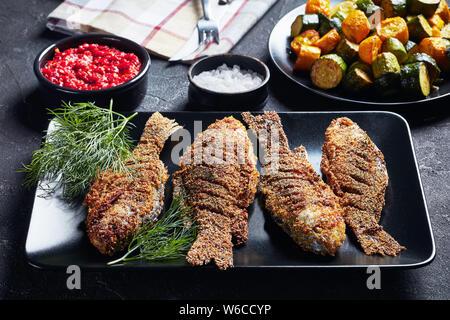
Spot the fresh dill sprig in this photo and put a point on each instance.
(85, 140)
(169, 238)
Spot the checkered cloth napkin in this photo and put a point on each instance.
(164, 27)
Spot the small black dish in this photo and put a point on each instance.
(250, 99)
(125, 96)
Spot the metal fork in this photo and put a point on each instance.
(207, 28)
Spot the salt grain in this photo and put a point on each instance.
(228, 79)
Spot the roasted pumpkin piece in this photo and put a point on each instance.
(315, 6)
(306, 57)
(328, 42)
(445, 31)
(436, 32)
(443, 11)
(394, 27)
(436, 48)
(307, 37)
(369, 49)
(356, 26)
(436, 21)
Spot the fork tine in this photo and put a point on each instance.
(216, 37)
(201, 36)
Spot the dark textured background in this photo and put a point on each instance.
(23, 34)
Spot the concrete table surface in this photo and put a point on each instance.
(23, 34)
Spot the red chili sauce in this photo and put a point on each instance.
(91, 67)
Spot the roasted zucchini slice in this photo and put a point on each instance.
(303, 23)
(433, 68)
(361, 65)
(347, 50)
(394, 46)
(419, 28)
(367, 6)
(327, 24)
(394, 8)
(425, 7)
(328, 71)
(409, 45)
(357, 81)
(384, 63)
(414, 79)
(388, 84)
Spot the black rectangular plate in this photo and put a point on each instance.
(57, 237)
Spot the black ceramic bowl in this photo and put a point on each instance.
(125, 96)
(254, 98)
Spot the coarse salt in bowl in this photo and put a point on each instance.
(228, 80)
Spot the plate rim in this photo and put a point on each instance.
(327, 95)
(32, 262)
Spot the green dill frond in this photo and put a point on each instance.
(84, 140)
(169, 237)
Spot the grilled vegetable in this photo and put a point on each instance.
(425, 7)
(328, 42)
(315, 6)
(306, 57)
(432, 66)
(357, 80)
(436, 32)
(410, 45)
(307, 37)
(384, 63)
(395, 27)
(328, 71)
(327, 24)
(296, 26)
(419, 28)
(342, 9)
(347, 50)
(445, 31)
(356, 26)
(369, 49)
(436, 21)
(394, 8)
(436, 48)
(367, 6)
(443, 11)
(304, 22)
(361, 65)
(394, 46)
(414, 79)
(388, 84)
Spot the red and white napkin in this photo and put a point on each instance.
(167, 28)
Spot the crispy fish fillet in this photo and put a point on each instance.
(218, 178)
(117, 203)
(356, 171)
(299, 201)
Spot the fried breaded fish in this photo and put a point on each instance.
(299, 201)
(118, 203)
(218, 179)
(356, 171)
